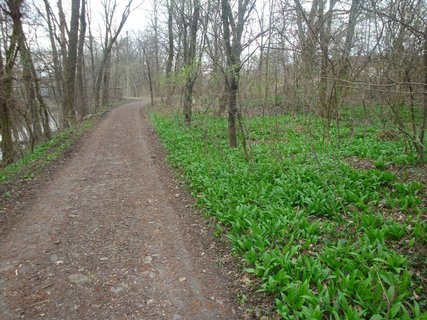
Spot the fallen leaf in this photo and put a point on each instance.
(148, 259)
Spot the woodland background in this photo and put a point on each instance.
(315, 57)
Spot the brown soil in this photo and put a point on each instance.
(361, 163)
(110, 235)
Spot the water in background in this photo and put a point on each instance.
(54, 120)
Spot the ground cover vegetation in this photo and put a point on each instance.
(303, 136)
(55, 69)
(44, 153)
(330, 238)
(317, 174)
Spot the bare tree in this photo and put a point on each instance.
(57, 66)
(169, 63)
(403, 78)
(111, 36)
(149, 75)
(70, 66)
(37, 107)
(233, 28)
(82, 109)
(191, 66)
(6, 99)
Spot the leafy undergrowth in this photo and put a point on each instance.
(329, 240)
(43, 154)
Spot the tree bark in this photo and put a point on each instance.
(170, 39)
(327, 87)
(191, 64)
(308, 36)
(345, 57)
(233, 50)
(70, 66)
(6, 102)
(233, 88)
(81, 90)
(150, 79)
(57, 67)
(421, 150)
(39, 123)
(107, 50)
(106, 81)
(156, 38)
(63, 31)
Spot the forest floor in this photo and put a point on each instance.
(109, 234)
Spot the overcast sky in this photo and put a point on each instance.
(138, 19)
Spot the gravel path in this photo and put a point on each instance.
(111, 236)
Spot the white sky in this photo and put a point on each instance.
(138, 19)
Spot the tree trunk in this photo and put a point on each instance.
(81, 90)
(345, 65)
(170, 39)
(421, 149)
(233, 50)
(267, 60)
(106, 81)
(107, 50)
(327, 87)
(38, 109)
(308, 37)
(156, 39)
(6, 128)
(188, 102)
(233, 88)
(70, 67)
(6, 103)
(63, 38)
(150, 81)
(191, 64)
(223, 100)
(58, 75)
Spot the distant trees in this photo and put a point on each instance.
(191, 65)
(35, 112)
(110, 37)
(71, 66)
(43, 85)
(233, 28)
(402, 49)
(6, 98)
(313, 56)
(297, 56)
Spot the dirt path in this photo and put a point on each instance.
(110, 237)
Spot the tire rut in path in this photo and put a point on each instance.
(105, 239)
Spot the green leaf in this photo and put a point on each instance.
(391, 292)
(395, 309)
(250, 270)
